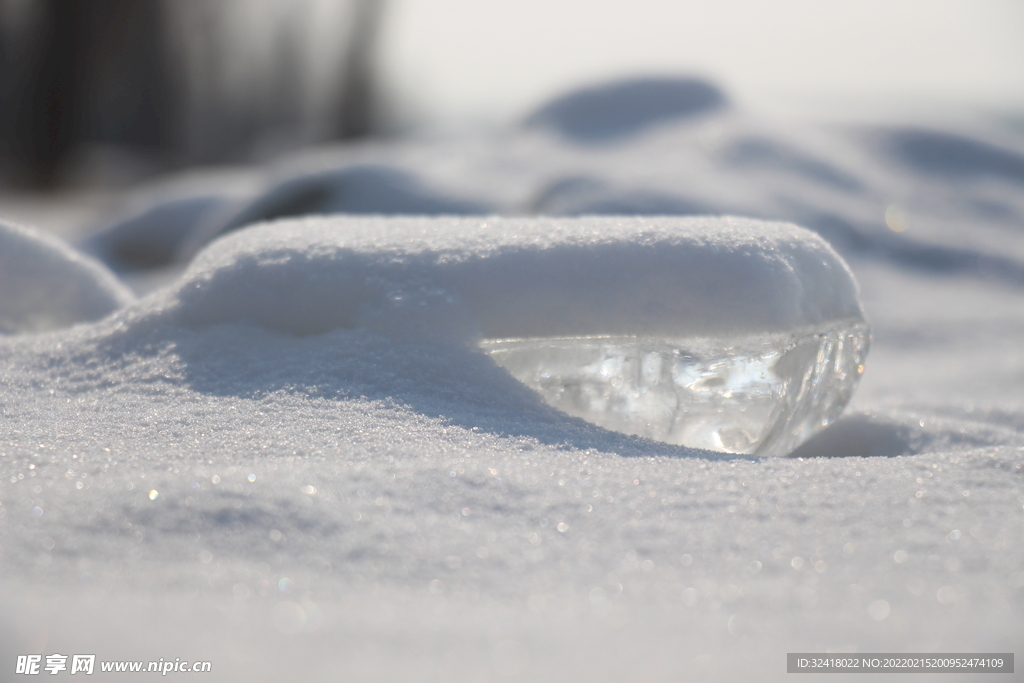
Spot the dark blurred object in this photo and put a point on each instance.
(179, 81)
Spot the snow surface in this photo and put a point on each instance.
(240, 467)
(499, 278)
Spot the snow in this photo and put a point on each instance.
(46, 284)
(505, 277)
(285, 459)
(610, 112)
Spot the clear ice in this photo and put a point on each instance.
(761, 395)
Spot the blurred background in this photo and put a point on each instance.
(115, 90)
(456, 60)
(166, 83)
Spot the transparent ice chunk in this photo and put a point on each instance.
(762, 395)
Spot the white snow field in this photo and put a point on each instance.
(291, 457)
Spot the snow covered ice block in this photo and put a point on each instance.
(723, 333)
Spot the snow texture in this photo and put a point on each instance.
(277, 462)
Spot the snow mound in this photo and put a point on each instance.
(614, 111)
(497, 278)
(46, 285)
(152, 236)
(953, 157)
(151, 224)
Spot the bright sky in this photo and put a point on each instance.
(491, 60)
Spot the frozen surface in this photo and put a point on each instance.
(242, 469)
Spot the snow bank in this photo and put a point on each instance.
(45, 284)
(515, 277)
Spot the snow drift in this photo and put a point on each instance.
(46, 284)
